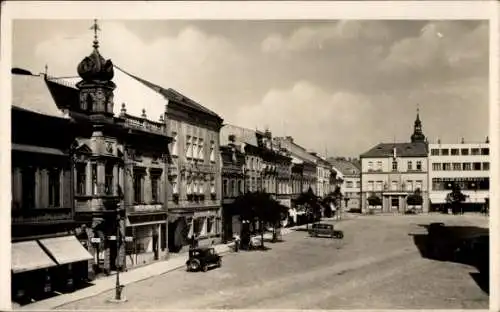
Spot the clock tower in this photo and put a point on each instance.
(96, 87)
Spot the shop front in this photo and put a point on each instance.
(44, 266)
(145, 238)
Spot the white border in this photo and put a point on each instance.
(232, 10)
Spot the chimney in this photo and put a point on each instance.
(463, 141)
(487, 140)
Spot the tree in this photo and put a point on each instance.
(455, 198)
(415, 199)
(310, 201)
(337, 195)
(374, 200)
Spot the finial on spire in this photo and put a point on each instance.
(46, 69)
(95, 28)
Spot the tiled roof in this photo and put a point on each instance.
(417, 149)
(241, 134)
(29, 92)
(346, 167)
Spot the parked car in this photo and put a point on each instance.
(325, 229)
(201, 258)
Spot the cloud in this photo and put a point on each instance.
(315, 117)
(320, 36)
(188, 61)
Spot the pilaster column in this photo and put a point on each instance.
(115, 180)
(88, 179)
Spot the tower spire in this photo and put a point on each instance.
(95, 28)
(418, 135)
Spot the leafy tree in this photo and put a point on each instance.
(455, 198)
(374, 200)
(415, 199)
(312, 206)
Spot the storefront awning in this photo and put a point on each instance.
(66, 249)
(29, 256)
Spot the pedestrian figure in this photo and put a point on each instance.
(236, 239)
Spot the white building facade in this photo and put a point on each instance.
(465, 164)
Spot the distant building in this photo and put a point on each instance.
(390, 172)
(350, 174)
(465, 164)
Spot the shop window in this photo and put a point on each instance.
(81, 179)
(54, 187)
(28, 178)
(108, 179)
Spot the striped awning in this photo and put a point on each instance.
(29, 256)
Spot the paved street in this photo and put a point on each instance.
(376, 265)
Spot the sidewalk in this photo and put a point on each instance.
(107, 283)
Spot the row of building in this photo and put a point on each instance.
(391, 172)
(111, 171)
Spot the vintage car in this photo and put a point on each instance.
(324, 229)
(202, 258)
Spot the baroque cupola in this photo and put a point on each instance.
(96, 87)
(418, 135)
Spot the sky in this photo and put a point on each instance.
(337, 87)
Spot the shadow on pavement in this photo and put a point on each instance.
(460, 244)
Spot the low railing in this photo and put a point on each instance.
(144, 124)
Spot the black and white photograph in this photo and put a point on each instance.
(288, 161)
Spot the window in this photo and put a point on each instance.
(349, 184)
(457, 166)
(212, 151)
(54, 187)
(436, 166)
(379, 165)
(212, 186)
(189, 151)
(474, 151)
(210, 225)
(464, 151)
(138, 187)
(467, 166)
(454, 151)
(394, 185)
(201, 153)
(358, 184)
(28, 178)
(445, 152)
(485, 151)
(446, 166)
(175, 144)
(94, 179)
(370, 185)
(477, 166)
(394, 202)
(370, 165)
(189, 187)
(81, 179)
(379, 185)
(240, 187)
(155, 188)
(233, 188)
(394, 166)
(418, 185)
(409, 185)
(410, 165)
(175, 185)
(434, 152)
(224, 188)
(486, 166)
(108, 179)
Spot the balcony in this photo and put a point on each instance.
(144, 124)
(41, 215)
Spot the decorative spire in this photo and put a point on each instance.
(123, 111)
(418, 135)
(95, 28)
(143, 115)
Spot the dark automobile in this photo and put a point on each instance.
(323, 229)
(201, 258)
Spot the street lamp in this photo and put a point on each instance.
(118, 287)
